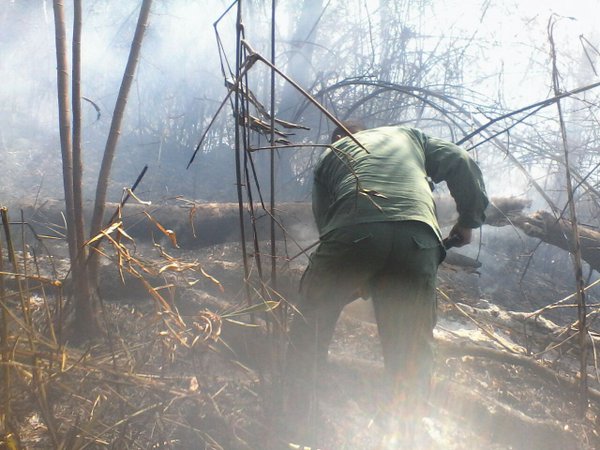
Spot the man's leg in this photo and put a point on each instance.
(406, 333)
(311, 332)
(341, 266)
(405, 302)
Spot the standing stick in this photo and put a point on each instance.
(576, 249)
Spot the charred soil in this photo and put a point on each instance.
(204, 374)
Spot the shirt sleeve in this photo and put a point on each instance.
(445, 161)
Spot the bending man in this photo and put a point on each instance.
(379, 235)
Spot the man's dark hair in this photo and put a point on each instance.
(353, 126)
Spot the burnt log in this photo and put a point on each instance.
(192, 224)
(558, 232)
(502, 209)
(199, 224)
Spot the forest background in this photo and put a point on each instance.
(466, 71)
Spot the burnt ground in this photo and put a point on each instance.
(209, 385)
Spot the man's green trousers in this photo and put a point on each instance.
(394, 263)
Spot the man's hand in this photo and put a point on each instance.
(459, 236)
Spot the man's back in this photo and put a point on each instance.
(389, 183)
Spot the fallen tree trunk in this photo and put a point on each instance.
(198, 224)
(193, 224)
(558, 232)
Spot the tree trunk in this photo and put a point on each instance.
(66, 143)
(77, 145)
(85, 322)
(558, 232)
(544, 226)
(86, 319)
(113, 137)
(204, 224)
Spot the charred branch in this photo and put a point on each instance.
(558, 232)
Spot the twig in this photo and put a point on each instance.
(475, 322)
(540, 104)
(512, 358)
(310, 98)
(563, 300)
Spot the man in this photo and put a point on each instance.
(379, 237)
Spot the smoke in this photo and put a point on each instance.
(503, 64)
(179, 84)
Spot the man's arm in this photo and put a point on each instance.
(445, 161)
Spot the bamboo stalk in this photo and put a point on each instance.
(66, 142)
(43, 402)
(280, 313)
(241, 70)
(5, 415)
(77, 136)
(18, 276)
(25, 278)
(114, 133)
(85, 322)
(576, 250)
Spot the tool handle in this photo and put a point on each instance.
(451, 241)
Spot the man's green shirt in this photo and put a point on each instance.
(387, 180)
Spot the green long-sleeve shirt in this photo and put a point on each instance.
(389, 183)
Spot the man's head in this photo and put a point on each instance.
(353, 126)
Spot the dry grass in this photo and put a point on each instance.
(148, 382)
(159, 379)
